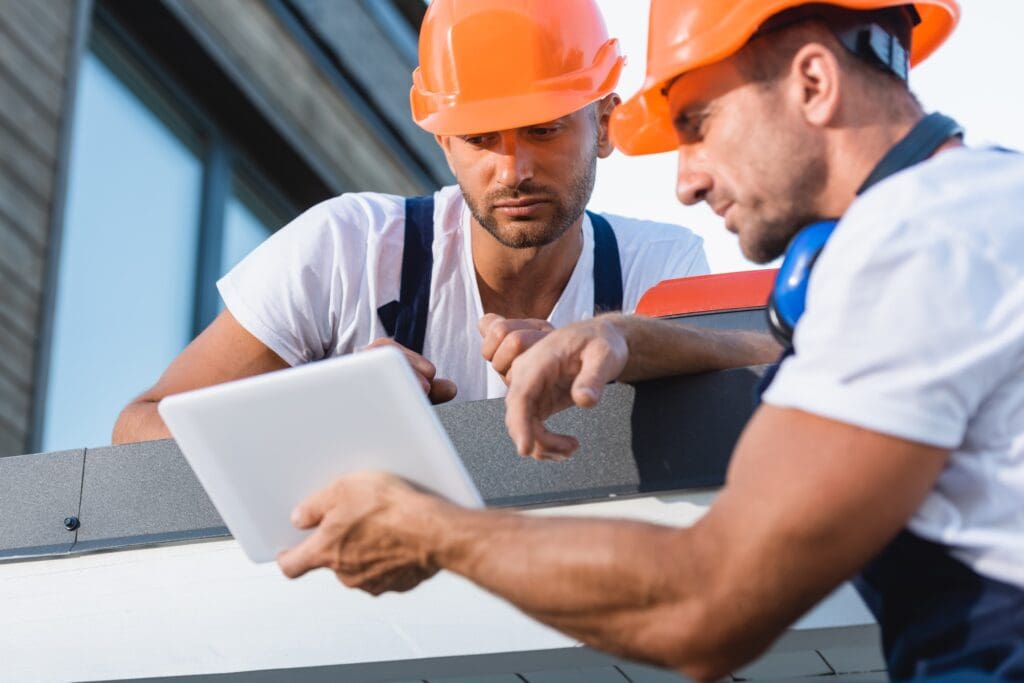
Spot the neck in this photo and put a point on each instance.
(523, 283)
(855, 153)
(858, 148)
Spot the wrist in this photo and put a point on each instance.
(438, 528)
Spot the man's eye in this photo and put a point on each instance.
(691, 129)
(477, 140)
(543, 131)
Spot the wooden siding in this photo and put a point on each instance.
(34, 45)
(253, 45)
(288, 85)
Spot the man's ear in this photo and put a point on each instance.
(445, 143)
(816, 79)
(604, 114)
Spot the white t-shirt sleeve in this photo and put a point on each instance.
(653, 252)
(303, 291)
(904, 334)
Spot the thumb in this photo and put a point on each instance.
(597, 368)
(311, 511)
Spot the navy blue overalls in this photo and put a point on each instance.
(940, 619)
(406, 319)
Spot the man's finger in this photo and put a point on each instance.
(548, 445)
(599, 365)
(499, 330)
(311, 510)
(513, 346)
(484, 324)
(308, 555)
(442, 391)
(519, 404)
(420, 364)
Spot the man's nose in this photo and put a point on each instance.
(515, 161)
(692, 182)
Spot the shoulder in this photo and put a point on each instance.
(360, 212)
(634, 233)
(963, 206)
(971, 198)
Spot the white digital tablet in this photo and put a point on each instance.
(261, 445)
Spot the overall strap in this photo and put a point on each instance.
(607, 267)
(938, 616)
(406, 319)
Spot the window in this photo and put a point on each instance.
(248, 220)
(147, 231)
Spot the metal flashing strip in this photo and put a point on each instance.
(792, 656)
(661, 436)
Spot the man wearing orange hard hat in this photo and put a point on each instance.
(890, 443)
(518, 94)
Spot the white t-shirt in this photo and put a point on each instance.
(312, 290)
(914, 327)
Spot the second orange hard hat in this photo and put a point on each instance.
(488, 65)
(688, 34)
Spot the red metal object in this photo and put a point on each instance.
(708, 293)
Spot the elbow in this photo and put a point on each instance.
(122, 428)
(131, 423)
(704, 672)
(703, 647)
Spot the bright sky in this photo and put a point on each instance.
(975, 78)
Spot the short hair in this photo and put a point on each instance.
(767, 60)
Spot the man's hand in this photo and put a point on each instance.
(437, 389)
(369, 532)
(569, 366)
(505, 340)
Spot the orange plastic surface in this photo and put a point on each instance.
(708, 294)
(493, 65)
(688, 34)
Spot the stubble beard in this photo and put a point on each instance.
(528, 234)
(771, 235)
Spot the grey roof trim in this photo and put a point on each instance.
(829, 644)
(660, 436)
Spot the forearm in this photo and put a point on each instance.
(140, 421)
(619, 586)
(658, 348)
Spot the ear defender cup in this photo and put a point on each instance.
(789, 295)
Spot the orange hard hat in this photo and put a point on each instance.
(488, 65)
(688, 34)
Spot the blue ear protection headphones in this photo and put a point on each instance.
(788, 297)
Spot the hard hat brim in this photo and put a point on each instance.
(642, 124)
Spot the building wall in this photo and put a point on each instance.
(300, 99)
(288, 84)
(35, 49)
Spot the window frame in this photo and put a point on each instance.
(223, 159)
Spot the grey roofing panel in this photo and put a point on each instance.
(856, 650)
(684, 428)
(476, 668)
(592, 674)
(664, 435)
(638, 673)
(602, 466)
(37, 492)
(854, 659)
(142, 493)
(485, 678)
(660, 435)
(750, 319)
(785, 666)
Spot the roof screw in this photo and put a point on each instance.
(71, 523)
